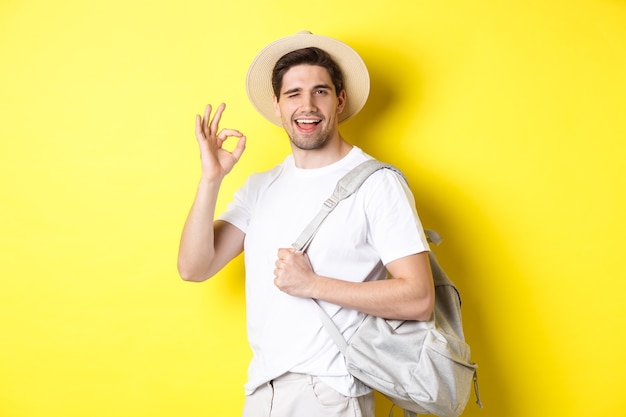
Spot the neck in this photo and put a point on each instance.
(318, 158)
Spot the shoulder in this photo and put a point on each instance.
(258, 181)
(387, 192)
(265, 177)
(389, 179)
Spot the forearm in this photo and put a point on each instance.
(409, 295)
(394, 298)
(197, 244)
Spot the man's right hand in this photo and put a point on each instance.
(206, 246)
(217, 161)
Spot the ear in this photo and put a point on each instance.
(341, 101)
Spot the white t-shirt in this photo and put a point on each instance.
(367, 230)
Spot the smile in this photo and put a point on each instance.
(308, 121)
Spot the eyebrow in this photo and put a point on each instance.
(316, 87)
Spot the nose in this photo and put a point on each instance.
(308, 103)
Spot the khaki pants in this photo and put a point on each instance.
(298, 395)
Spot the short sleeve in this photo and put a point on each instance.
(394, 227)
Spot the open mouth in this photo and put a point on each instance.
(307, 124)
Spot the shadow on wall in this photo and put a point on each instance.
(388, 93)
(385, 99)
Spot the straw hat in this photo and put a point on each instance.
(259, 78)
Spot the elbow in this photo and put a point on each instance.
(191, 274)
(425, 313)
(422, 310)
(192, 278)
(185, 276)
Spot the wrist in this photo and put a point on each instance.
(211, 180)
(316, 286)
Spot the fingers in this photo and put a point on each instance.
(214, 125)
(241, 146)
(225, 133)
(283, 257)
(208, 127)
(293, 273)
(283, 253)
(207, 114)
(207, 131)
(201, 125)
(199, 132)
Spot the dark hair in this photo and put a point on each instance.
(306, 56)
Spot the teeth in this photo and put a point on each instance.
(306, 121)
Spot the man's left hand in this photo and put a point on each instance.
(294, 274)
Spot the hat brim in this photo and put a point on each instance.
(355, 74)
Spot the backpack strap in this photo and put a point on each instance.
(345, 187)
(406, 413)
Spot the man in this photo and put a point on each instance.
(308, 84)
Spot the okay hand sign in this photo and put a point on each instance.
(217, 161)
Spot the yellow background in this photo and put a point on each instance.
(508, 118)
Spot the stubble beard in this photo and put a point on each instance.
(310, 144)
(311, 141)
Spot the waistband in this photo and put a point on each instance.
(290, 376)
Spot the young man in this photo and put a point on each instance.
(308, 84)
